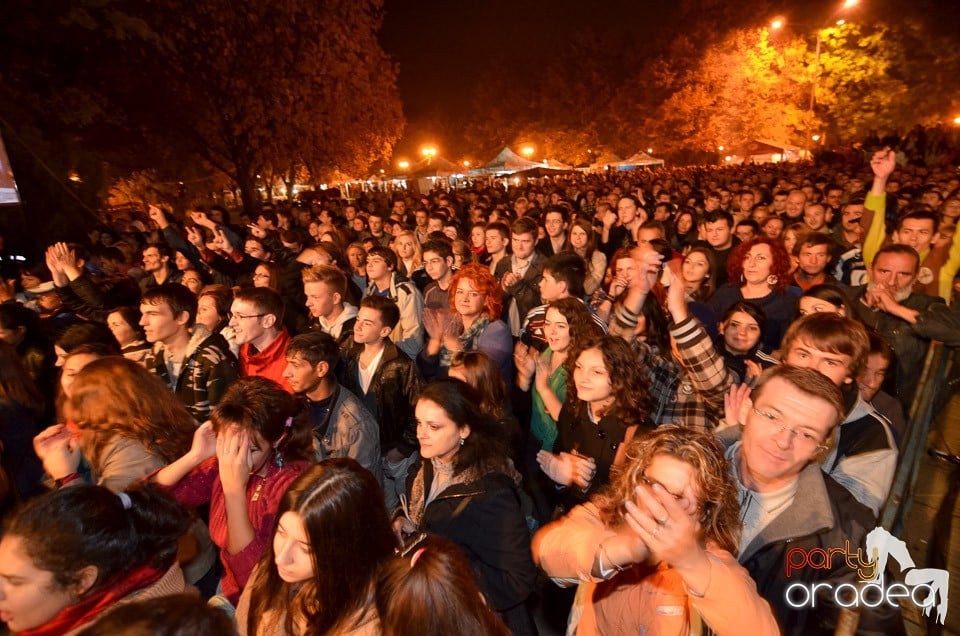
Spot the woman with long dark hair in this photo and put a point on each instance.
(604, 409)
(331, 535)
(72, 555)
(466, 489)
(241, 462)
(582, 241)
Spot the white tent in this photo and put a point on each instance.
(766, 151)
(506, 162)
(637, 160)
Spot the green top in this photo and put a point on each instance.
(544, 427)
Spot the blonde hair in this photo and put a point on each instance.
(719, 507)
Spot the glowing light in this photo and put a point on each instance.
(850, 3)
(727, 158)
(527, 151)
(956, 120)
(720, 148)
(777, 24)
(816, 138)
(466, 164)
(382, 171)
(428, 151)
(403, 165)
(649, 151)
(841, 22)
(516, 181)
(74, 176)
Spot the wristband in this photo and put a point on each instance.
(63, 481)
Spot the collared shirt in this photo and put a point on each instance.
(758, 509)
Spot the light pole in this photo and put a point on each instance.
(779, 23)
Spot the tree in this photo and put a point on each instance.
(744, 87)
(247, 86)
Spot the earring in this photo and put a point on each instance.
(463, 440)
(772, 280)
(278, 458)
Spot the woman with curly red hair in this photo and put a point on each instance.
(761, 269)
(472, 324)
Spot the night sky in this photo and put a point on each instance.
(442, 46)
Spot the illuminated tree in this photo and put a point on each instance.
(744, 87)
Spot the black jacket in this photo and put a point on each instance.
(485, 519)
(823, 515)
(910, 342)
(392, 395)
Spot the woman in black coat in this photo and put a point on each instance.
(465, 488)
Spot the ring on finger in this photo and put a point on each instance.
(663, 521)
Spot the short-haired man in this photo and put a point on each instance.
(718, 233)
(325, 288)
(787, 503)
(519, 275)
(197, 365)
(815, 217)
(939, 258)
(556, 220)
(387, 382)
(813, 255)
(496, 240)
(157, 268)
(794, 206)
(342, 426)
(865, 456)
(438, 264)
(906, 319)
(256, 317)
(376, 231)
(871, 379)
(384, 281)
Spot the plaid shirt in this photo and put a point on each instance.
(689, 392)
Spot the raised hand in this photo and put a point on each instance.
(235, 458)
(204, 444)
(734, 401)
(59, 450)
(667, 523)
(883, 163)
(157, 216)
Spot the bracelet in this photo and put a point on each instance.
(63, 481)
(605, 556)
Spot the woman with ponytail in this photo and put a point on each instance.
(74, 554)
(241, 462)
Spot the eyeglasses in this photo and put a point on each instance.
(653, 482)
(244, 317)
(804, 439)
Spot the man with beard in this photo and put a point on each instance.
(907, 320)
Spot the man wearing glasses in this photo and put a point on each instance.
(257, 320)
(788, 505)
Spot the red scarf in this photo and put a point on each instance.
(89, 608)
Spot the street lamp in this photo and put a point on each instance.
(649, 151)
(466, 164)
(403, 165)
(428, 151)
(527, 151)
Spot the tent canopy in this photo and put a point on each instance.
(434, 167)
(637, 159)
(506, 162)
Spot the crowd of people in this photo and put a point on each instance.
(618, 400)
